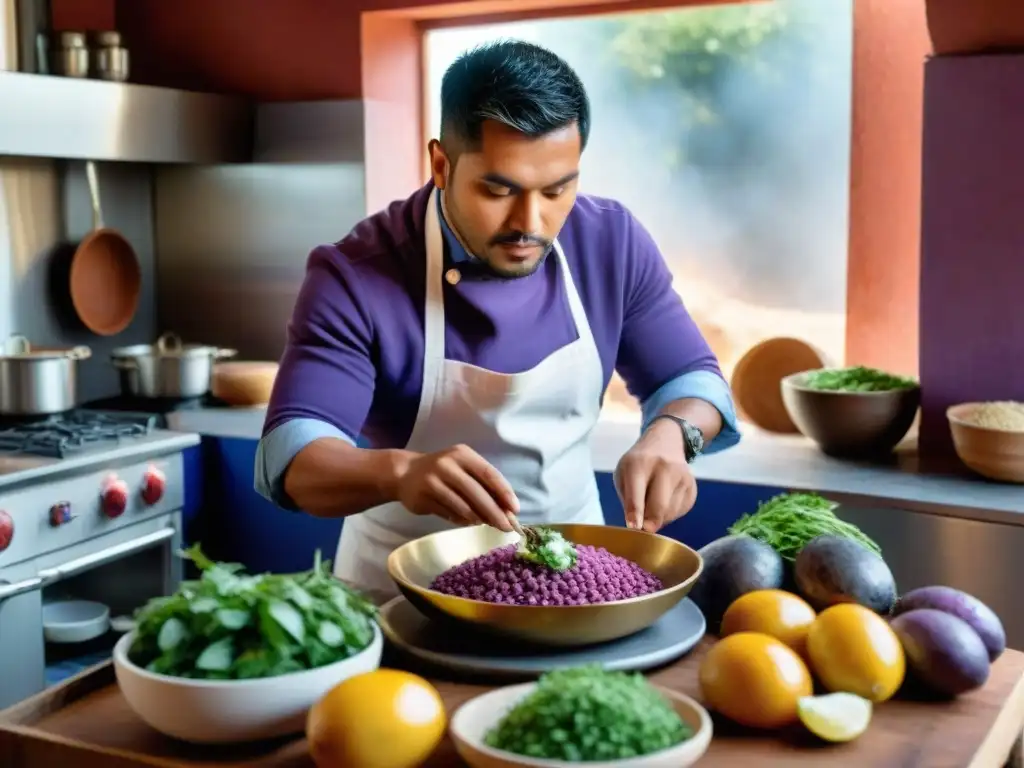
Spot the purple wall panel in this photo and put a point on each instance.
(972, 237)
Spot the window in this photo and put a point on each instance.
(726, 130)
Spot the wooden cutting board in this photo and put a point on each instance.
(756, 380)
(85, 723)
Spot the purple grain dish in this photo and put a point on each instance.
(501, 577)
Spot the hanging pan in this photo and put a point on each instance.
(105, 276)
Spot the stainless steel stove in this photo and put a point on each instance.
(90, 509)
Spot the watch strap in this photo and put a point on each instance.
(693, 438)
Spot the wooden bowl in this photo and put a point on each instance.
(851, 424)
(997, 454)
(415, 565)
(756, 377)
(477, 716)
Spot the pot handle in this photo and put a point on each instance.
(223, 354)
(79, 353)
(17, 345)
(124, 363)
(169, 342)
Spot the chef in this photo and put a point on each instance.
(467, 334)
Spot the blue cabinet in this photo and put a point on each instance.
(234, 523)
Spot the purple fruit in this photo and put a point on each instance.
(982, 619)
(942, 651)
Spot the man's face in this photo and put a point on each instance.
(508, 200)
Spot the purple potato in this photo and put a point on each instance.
(942, 651)
(982, 619)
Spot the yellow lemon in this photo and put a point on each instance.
(380, 719)
(835, 717)
(754, 680)
(772, 612)
(854, 650)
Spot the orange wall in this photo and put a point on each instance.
(319, 49)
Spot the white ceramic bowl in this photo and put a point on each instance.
(74, 621)
(477, 716)
(233, 711)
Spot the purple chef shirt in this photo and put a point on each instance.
(353, 364)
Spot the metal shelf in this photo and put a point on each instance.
(60, 117)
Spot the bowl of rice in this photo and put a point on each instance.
(623, 580)
(989, 438)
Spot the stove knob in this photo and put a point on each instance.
(114, 498)
(6, 530)
(60, 513)
(153, 484)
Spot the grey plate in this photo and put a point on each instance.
(675, 633)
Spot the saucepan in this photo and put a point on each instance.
(168, 368)
(38, 381)
(414, 565)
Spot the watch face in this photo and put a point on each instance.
(695, 438)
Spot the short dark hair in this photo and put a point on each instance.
(519, 84)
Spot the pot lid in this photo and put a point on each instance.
(170, 345)
(18, 348)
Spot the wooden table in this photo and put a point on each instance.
(85, 723)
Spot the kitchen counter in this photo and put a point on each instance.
(760, 459)
(19, 469)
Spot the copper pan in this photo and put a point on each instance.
(105, 276)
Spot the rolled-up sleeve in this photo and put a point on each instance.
(662, 354)
(325, 383)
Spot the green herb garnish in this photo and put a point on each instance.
(232, 626)
(856, 379)
(585, 714)
(787, 522)
(545, 546)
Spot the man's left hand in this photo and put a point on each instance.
(654, 482)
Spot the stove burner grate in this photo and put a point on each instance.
(61, 436)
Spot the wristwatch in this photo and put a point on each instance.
(693, 438)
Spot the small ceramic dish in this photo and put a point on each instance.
(477, 716)
(74, 621)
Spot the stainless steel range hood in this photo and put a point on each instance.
(60, 117)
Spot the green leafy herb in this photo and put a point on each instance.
(585, 714)
(545, 546)
(231, 626)
(856, 379)
(787, 522)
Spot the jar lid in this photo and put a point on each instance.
(108, 39)
(72, 39)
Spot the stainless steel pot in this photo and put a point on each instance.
(167, 368)
(38, 382)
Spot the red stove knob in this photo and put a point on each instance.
(6, 530)
(114, 497)
(153, 484)
(60, 513)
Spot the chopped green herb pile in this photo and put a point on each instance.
(856, 379)
(233, 626)
(545, 546)
(787, 522)
(586, 714)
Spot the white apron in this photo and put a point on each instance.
(533, 427)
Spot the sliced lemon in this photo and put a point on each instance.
(835, 717)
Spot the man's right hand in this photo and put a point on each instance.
(459, 485)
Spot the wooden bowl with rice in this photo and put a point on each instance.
(989, 438)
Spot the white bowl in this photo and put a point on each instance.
(477, 716)
(233, 711)
(74, 621)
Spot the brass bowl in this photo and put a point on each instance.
(414, 565)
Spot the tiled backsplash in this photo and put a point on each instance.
(38, 213)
